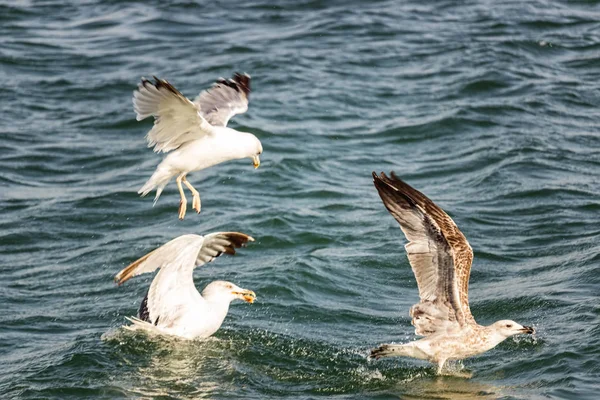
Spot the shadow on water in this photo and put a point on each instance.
(447, 387)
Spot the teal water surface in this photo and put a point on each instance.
(488, 107)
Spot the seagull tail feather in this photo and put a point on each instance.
(137, 325)
(158, 181)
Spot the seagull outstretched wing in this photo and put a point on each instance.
(225, 99)
(176, 260)
(177, 119)
(439, 254)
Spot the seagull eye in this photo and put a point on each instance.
(509, 326)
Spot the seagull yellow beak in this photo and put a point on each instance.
(256, 161)
(246, 295)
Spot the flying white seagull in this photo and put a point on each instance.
(195, 134)
(173, 305)
(440, 257)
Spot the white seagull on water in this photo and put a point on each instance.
(440, 257)
(173, 305)
(195, 134)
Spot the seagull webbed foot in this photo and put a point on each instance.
(196, 202)
(382, 351)
(182, 208)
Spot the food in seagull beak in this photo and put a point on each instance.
(528, 329)
(246, 295)
(256, 161)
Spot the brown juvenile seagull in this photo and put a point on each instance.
(440, 257)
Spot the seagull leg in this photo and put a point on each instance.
(183, 202)
(440, 366)
(195, 195)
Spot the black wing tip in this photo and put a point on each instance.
(399, 187)
(156, 83)
(143, 312)
(377, 178)
(238, 239)
(392, 187)
(240, 83)
(243, 82)
(145, 83)
(391, 178)
(383, 179)
(159, 83)
(398, 184)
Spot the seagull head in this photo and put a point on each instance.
(223, 291)
(244, 145)
(508, 328)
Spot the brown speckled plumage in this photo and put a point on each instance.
(454, 254)
(440, 257)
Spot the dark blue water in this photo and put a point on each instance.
(488, 107)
